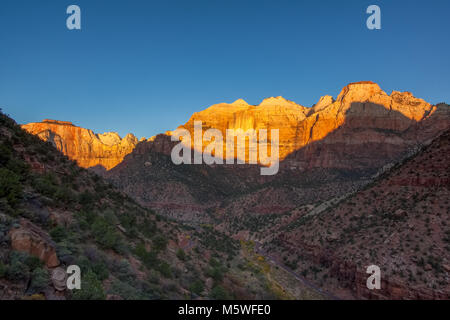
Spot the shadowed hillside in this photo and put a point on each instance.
(399, 222)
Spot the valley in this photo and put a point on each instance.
(363, 179)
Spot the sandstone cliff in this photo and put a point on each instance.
(83, 145)
(362, 115)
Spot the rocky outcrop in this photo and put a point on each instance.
(83, 145)
(31, 239)
(324, 102)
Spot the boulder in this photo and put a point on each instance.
(29, 238)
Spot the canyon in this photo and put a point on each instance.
(350, 168)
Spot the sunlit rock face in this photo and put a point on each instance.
(362, 128)
(362, 115)
(83, 145)
(271, 113)
(365, 127)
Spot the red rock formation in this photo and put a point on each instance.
(83, 145)
(362, 118)
(361, 128)
(31, 239)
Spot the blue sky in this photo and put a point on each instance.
(145, 66)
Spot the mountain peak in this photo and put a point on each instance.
(323, 102)
(240, 102)
(278, 101)
(109, 138)
(359, 91)
(67, 123)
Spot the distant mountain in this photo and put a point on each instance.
(88, 149)
(362, 128)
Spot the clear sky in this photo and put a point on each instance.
(145, 66)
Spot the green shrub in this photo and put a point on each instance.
(110, 217)
(66, 248)
(165, 269)
(149, 259)
(33, 262)
(126, 291)
(3, 269)
(101, 270)
(64, 194)
(18, 269)
(140, 250)
(19, 167)
(123, 271)
(86, 199)
(216, 274)
(148, 228)
(105, 234)
(219, 293)
(10, 186)
(159, 243)
(91, 288)
(46, 185)
(86, 219)
(39, 280)
(197, 287)
(98, 267)
(5, 154)
(181, 254)
(58, 233)
(216, 271)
